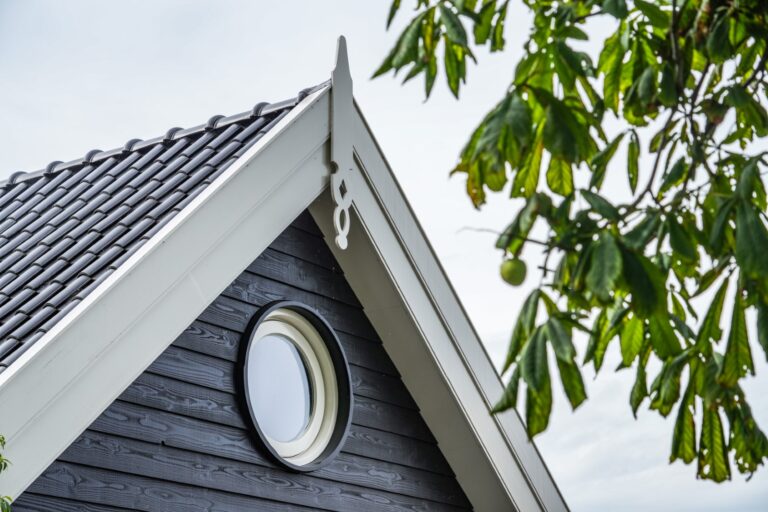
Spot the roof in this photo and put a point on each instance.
(66, 228)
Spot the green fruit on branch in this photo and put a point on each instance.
(513, 271)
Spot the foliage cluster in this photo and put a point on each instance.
(687, 80)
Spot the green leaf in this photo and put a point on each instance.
(527, 177)
(751, 241)
(600, 161)
(653, 12)
(538, 406)
(666, 387)
(717, 235)
(663, 338)
(641, 234)
(512, 239)
(452, 72)
(762, 326)
(633, 157)
(605, 267)
(407, 47)
(639, 389)
(558, 138)
(454, 29)
(681, 240)
(646, 283)
(497, 42)
(431, 74)
(560, 177)
(509, 398)
(611, 65)
(749, 110)
(684, 434)
(738, 355)
(675, 176)
(392, 11)
(561, 340)
(713, 457)
(484, 25)
(749, 177)
(710, 330)
(523, 328)
(667, 87)
(601, 205)
(573, 384)
(719, 46)
(616, 8)
(533, 361)
(599, 328)
(601, 337)
(631, 340)
(646, 85)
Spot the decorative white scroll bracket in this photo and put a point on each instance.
(342, 159)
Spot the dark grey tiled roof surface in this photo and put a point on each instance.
(63, 230)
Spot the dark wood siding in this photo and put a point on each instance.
(177, 440)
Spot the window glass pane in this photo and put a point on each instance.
(279, 388)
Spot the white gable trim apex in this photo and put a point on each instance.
(65, 381)
(342, 158)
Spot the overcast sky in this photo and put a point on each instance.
(80, 75)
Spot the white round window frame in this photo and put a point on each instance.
(318, 363)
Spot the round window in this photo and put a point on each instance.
(296, 385)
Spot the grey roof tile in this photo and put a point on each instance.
(22, 278)
(74, 267)
(6, 346)
(69, 290)
(138, 212)
(86, 224)
(11, 323)
(31, 323)
(15, 301)
(47, 274)
(65, 229)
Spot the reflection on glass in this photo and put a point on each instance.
(279, 388)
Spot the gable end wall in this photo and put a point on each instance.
(177, 439)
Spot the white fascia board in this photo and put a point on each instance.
(66, 380)
(424, 328)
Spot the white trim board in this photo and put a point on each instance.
(62, 384)
(407, 297)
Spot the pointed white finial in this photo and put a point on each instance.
(342, 160)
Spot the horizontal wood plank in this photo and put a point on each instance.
(141, 422)
(224, 343)
(163, 393)
(295, 242)
(217, 468)
(101, 486)
(30, 502)
(219, 374)
(305, 222)
(303, 275)
(256, 290)
(212, 472)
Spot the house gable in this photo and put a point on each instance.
(99, 347)
(178, 438)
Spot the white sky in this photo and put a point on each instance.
(88, 74)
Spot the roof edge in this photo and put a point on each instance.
(173, 134)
